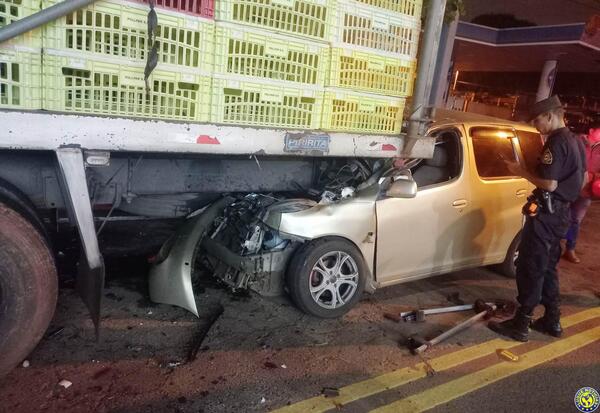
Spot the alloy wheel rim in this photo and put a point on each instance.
(333, 280)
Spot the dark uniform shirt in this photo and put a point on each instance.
(563, 160)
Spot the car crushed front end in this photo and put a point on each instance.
(246, 241)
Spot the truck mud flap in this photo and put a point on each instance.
(90, 277)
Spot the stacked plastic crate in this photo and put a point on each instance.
(118, 58)
(20, 59)
(272, 60)
(373, 60)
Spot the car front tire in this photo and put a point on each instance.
(326, 277)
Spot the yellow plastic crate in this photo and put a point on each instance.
(20, 79)
(307, 18)
(77, 85)
(346, 111)
(376, 30)
(249, 52)
(370, 72)
(265, 104)
(14, 10)
(120, 30)
(410, 8)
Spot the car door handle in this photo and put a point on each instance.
(459, 203)
(521, 193)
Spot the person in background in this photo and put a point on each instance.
(581, 205)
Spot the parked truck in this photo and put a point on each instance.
(110, 156)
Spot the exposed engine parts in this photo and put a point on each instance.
(243, 252)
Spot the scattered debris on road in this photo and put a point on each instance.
(419, 315)
(65, 383)
(330, 392)
(507, 355)
(484, 310)
(55, 332)
(203, 331)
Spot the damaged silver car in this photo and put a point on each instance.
(364, 225)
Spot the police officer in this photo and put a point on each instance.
(559, 179)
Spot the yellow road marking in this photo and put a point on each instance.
(457, 388)
(407, 375)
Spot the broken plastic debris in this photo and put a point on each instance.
(263, 400)
(283, 366)
(507, 355)
(25, 363)
(174, 364)
(149, 312)
(65, 383)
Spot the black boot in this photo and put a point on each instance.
(549, 323)
(516, 328)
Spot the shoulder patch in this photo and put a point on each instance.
(547, 157)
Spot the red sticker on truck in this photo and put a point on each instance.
(207, 140)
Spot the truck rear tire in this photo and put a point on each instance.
(28, 288)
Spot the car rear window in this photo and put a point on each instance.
(531, 146)
(490, 145)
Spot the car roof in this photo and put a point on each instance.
(449, 117)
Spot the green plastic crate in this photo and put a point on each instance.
(410, 8)
(347, 111)
(306, 18)
(375, 30)
(14, 10)
(249, 52)
(371, 73)
(77, 85)
(265, 104)
(119, 30)
(20, 79)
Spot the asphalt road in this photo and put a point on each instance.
(264, 355)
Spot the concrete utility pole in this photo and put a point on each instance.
(441, 80)
(418, 120)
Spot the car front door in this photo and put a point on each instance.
(426, 234)
(497, 195)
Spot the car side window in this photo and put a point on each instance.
(446, 163)
(531, 144)
(490, 147)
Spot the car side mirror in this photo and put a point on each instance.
(402, 188)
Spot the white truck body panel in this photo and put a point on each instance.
(48, 131)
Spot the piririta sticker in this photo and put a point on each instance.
(299, 142)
